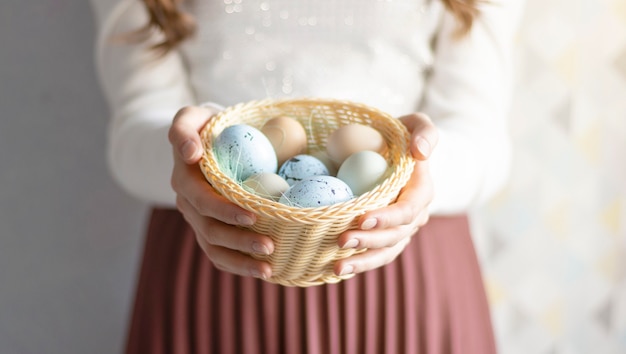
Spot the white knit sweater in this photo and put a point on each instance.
(397, 55)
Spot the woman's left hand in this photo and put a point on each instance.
(387, 231)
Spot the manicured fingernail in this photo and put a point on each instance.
(369, 224)
(260, 248)
(423, 146)
(351, 243)
(347, 270)
(258, 274)
(244, 220)
(188, 150)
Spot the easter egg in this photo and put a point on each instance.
(242, 150)
(351, 138)
(301, 166)
(362, 171)
(267, 185)
(317, 191)
(322, 155)
(287, 136)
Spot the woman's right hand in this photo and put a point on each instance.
(213, 218)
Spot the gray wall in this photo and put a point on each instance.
(70, 240)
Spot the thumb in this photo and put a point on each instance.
(184, 134)
(424, 135)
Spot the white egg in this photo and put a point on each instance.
(317, 191)
(363, 171)
(267, 185)
(301, 166)
(242, 150)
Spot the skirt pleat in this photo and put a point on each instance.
(429, 300)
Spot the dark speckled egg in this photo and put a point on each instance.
(299, 167)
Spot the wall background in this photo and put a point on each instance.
(69, 239)
(553, 244)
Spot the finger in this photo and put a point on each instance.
(235, 262)
(183, 134)
(413, 198)
(370, 259)
(217, 233)
(189, 183)
(423, 218)
(377, 238)
(358, 239)
(424, 135)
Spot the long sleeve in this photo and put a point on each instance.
(468, 95)
(467, 92)
(144, 91)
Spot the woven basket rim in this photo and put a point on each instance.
(234, 192)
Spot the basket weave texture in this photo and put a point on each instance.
(305, 239)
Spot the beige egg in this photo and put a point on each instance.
(287, 136)
(353, 138)
(266, 185)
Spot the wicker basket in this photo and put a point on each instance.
(305, 239)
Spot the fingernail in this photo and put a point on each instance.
(351, 243)
(258, 274)
(369, 224)
(188, 150)
(423, 146)
(347, 270)
(244, 220)
(260, 248)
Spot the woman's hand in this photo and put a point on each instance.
(386, 232)
(213, 218)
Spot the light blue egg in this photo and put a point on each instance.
(300, 167)
(317, 191)
(363, 171)
(242, 150)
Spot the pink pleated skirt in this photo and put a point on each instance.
(430, 300)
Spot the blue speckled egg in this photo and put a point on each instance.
(317, 191)
(242, 150)
(299, 167)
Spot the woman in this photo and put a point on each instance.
(414, 291)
